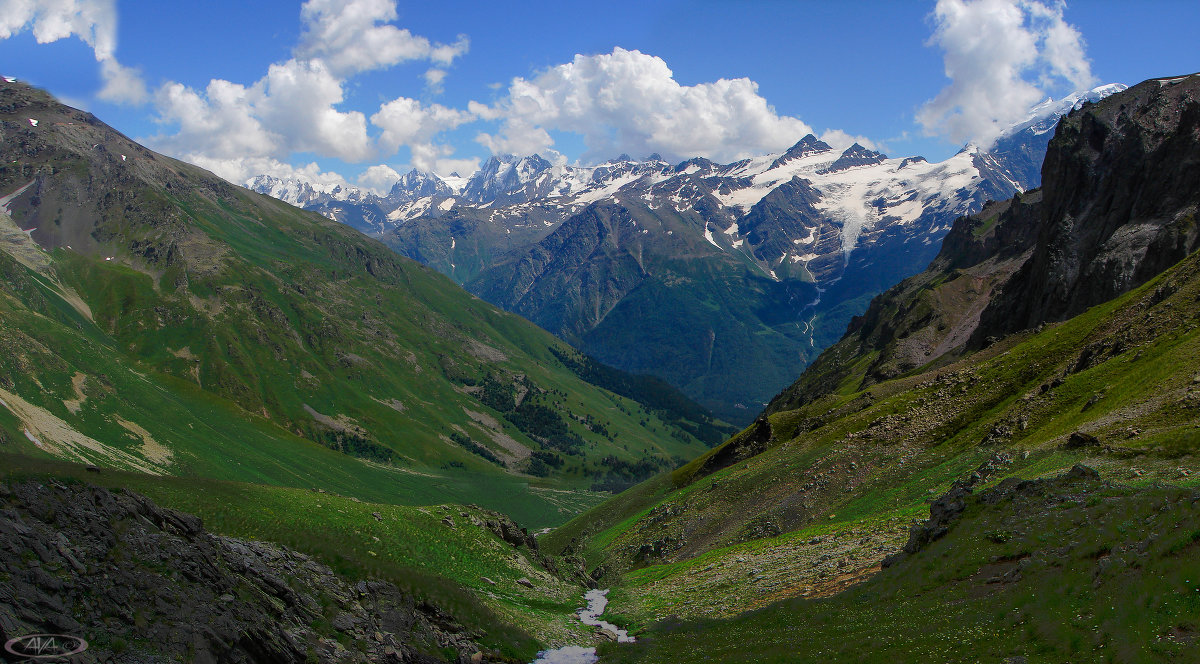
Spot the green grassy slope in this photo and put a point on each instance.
(839, 477)
(1056, 571)
(160, 319)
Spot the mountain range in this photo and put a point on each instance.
(723, 279)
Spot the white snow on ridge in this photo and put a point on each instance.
(608, 190)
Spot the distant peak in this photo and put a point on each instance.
(855, 155)
(809, 145)
(857, 150)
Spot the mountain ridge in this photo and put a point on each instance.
(805, 237)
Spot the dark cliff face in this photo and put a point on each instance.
(142, 583)
(1122, 186)
(929, 316)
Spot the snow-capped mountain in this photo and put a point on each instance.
(723, 279)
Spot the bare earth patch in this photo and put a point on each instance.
(77, 382)
(151, 449)
(496, 433)
(58, 438)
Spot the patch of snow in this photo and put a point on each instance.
(35, 441)
(32, 122)
(446, 204)
(451, 241)
(9, 79)
(709, 236)
(7, 200)
(732, 230)
(122, 157)
(738, 244)
(608, 189)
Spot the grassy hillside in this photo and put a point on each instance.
(809, 500)
(1060, 570)
(162, 320)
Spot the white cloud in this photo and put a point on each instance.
(354, 36)
(992, 50)
(122, 85)
(297, 100)
(434, 78)
(218, 123)
(407, 122)
(840, 140)
(627, 101)
(294, 108)
(93, 21)
(378, 178)
(240, 169)
(290, 110)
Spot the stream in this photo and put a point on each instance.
(589, 615)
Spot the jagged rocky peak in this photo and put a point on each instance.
(1121, 182)
(855, 155)
(696, 164)
(301, 192)
(418, 184)
(809, 145)
(504, 175)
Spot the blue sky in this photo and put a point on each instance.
(363, 89)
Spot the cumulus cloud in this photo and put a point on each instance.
(378, 178)
(122, 85)
(1002, 57)
(354, 36)
(628, 101)
(433, 79)
(290, 110)
(294, 108)
(840, 140)
(93, 21)
(405, 121)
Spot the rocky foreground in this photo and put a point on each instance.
(146, 584)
